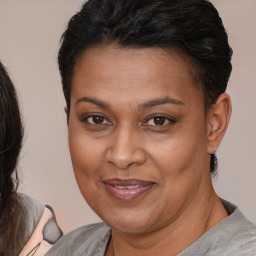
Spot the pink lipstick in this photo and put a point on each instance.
(127, 189)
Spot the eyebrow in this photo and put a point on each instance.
(160, 101)
(148, 104)
(94, 101)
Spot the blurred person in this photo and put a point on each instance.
(27, 227)
(144, 83)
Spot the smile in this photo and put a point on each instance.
(127, 189)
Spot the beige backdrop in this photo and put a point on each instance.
(29, 39)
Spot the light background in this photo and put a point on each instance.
(30, 31)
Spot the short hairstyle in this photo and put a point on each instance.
(193, 27)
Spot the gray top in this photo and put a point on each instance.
(234, 236)
(34, 212)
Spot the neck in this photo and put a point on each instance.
(201, 215)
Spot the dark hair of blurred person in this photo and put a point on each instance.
(26, 225)
(12, 211)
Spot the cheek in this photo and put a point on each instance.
(180, 153)
(86, 152)
(180, 166)
(86, 156)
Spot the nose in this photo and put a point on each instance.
(126, 149)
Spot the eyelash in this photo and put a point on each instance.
(86, 118)
(161, 118)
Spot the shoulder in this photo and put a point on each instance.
(240, 235)
(243, 242)
(41, 226)
(34, 211)
(29, 202)
(234, 236)
(88, 240)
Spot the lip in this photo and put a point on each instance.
(127, 190)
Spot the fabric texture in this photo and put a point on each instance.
(234, 236)
(42, 230)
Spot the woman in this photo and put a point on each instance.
(27, 227)
(144, 83)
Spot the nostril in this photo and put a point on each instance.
(125, 149)
(127, 159)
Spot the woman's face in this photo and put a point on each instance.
(138, 136)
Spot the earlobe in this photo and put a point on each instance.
(218, 120)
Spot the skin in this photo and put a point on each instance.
(126, 89)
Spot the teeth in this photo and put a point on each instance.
(127, 187)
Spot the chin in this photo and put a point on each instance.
(131, 224)
(130, 228)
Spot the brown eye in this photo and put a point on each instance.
(159, 120)
(97, 120)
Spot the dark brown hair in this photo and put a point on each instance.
(12, 211)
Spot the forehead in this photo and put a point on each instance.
(138, 73)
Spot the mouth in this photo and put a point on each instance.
(127, 189)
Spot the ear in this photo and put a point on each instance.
(65, 110)
(218, 120)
